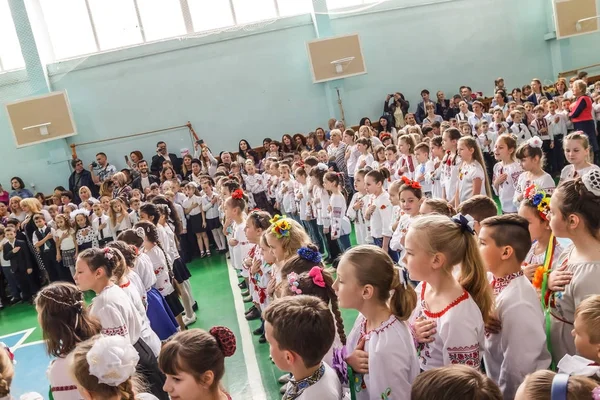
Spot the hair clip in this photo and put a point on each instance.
(140, 232)
(292, 279)
(81, 211)
(112, 359)
(591, 180)
(316, 273)
(466, 222)
(237, 194)
(536, 142)
(539, 199)
(409, 182)
(401, 275)
(107, 253)
(281, 228)
(309, 254)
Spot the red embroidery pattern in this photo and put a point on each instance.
(430, 314)
(118, 331)
(63, 388)
(466, 355)
(499, 284)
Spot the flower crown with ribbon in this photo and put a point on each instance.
(539, 199)
(112, 359)
(280, 226)
(309, 254)
(409, 182)
(466, 223)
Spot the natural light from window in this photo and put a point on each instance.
(10, 50)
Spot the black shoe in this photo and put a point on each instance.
(195, 306)
(262, 339)
(247, 299)
(251, 309)
(260, 331)
(254, 314)
(243, 285)
(245, 293)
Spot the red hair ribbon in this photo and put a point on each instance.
(316, 273)
(237, 194)
(411, 183)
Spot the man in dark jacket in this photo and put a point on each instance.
(163, 155)
(421, 107)
(21, 263)
(145, 179)
(79, 178)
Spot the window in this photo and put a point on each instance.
(69, 27)
(210, 14)
(161, 19)
(253, 11)
(10, 49)
(294, 7)
(116, 23)
(334, 4)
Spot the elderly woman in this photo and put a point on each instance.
(582, 116)
(85, 194)
(120, 186)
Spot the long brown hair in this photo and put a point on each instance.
(64, 318)
(472, 144)
(372, 266)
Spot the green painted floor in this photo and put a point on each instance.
(215, 296)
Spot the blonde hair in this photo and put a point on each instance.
(296, 237)
(589, 312)
(34, 205)
(579, 135)
(538, 386)
(581, 85)
(121, 178)
(85, 189)
(510, 143)
(7, 372)
(372, 266)
(335, 132)
(473, 144)
(410, 141)
(111, 212)
(440, 234)
(454, 382)
(80, 370)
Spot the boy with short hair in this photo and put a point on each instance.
(134, 215)
(479, 207)
(289, 321)
(21, 263)
(518, 129)
(515, 344)
(13, 285)
(586, 330)
(43, 240)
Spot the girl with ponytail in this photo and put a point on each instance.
(194, 363)
(380, 346)
(95, 271)
(105, 368)
(448, 321)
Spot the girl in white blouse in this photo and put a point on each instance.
(472, 179)
(116, 312)
(340, 224)
(451, 312)
(531, 157)
(380, 346)
(506, 172)
(62, 301)
(119, 217)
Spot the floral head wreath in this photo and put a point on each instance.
(411, 183)
(112, 359)
(539, 199)
(280, 226)
(237, 194)
(292, 279)
(309, 254)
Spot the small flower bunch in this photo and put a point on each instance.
(293, 282)
(280, 226)
(539, 199)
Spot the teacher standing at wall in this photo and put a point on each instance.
(582, 116)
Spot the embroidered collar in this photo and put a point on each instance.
(296, 388)
(439, 314)
(499, 284)
(384, 325)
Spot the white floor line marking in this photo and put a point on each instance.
(254, 379)
(30, 344)
(26, 334)
(15, 333)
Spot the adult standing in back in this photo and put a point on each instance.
(80, 178)
(582, 116)
(537, 92)
(162, 155)
(397, 109)
(145, 179)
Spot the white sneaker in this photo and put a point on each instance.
(189, 321)
(284, 379)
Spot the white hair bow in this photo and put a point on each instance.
(112, 359)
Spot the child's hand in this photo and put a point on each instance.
(300, 196)
(326, 230)
(271, 287)
(529, 270)
(233, 242)
(424, 330)
(256, 266)
(421, 178)
(204, 224)
(102, 226)
(29, 271)
(500, 179)
(58, 258)
(556, 119)
(552, 144)
(329, 208)
(394, 226)
(494, 325)
(284, 189)
(559, 278)
(16, 249)
(359, 359)
(214, 200)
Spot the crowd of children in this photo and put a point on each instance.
(440, 274)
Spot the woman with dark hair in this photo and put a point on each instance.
(396, 110)
(321, 138)
(582, 116)
(19, 188)
(537, 92)
(134, 157)
(243, 149)
(517, 95)
(287, 145)
(299, 142)
(385, 125)
(312, 143)
(364, 121)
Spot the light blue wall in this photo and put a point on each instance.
(260, 85)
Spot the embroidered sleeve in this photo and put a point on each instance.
(112, 321)
(461, 343)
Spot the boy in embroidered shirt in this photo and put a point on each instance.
(479, 207)
(518, 129)
(557, 126)
(289, 321)
(539, 127)
(134, 215)
(515, 341)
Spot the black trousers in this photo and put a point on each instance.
(28, 283)
(51, 265)
(148, 368)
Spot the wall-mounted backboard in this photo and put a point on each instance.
(335, 58)
(575, 17)
(41, 118)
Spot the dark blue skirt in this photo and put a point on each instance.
(162, 320)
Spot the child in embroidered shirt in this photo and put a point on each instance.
(576, 148)
(306, 211)
(194, 362)
(506, 172)
(119, 218)
(288, 322)
(586, 329)
(210, 209)
(436, 206)
(84, 232)
(286, 201)
(425, 168)
(539, 386)
(410, 194)
(472, 179)
(379, 211)
(381, 336)
(321, 201)
(519, 347)
(539, 230)
(340, 224)
(365, 159)
(539, 127)
(357, 208)
(454, 382)
(66, 243)
(408, 161)
(192, 207)
(450, 164)
(379, 158)
(391, 160)
(486, 140)
(434, 176)
(451, 311)
(573, 209)
(531, 157)
(498, 125)
(479, 208)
